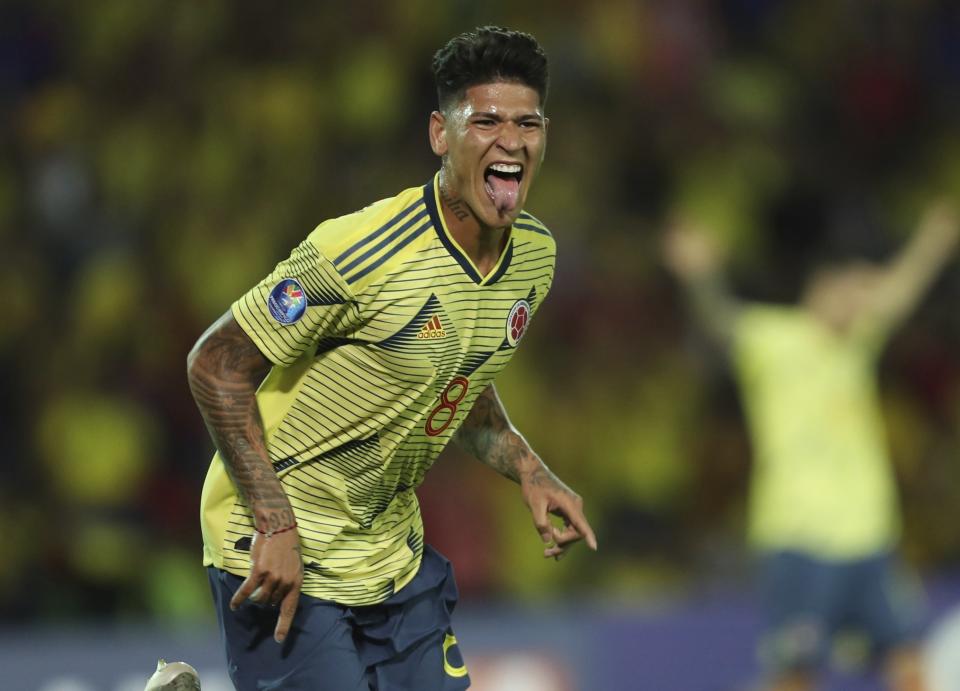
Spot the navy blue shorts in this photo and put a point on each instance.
(403, 644)
(806, 601)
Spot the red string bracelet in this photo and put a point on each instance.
(271, 533)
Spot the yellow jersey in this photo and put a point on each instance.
(822, 480)
(382, 333)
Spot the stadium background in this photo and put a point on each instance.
(157, 158)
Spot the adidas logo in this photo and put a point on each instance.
(432, 329)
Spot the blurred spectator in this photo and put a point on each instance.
(823, 515)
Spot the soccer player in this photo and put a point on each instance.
(823, 512)
(331, 387)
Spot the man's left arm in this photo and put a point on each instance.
(488, 434)
(905, 279)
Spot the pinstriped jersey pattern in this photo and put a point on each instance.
(400, 335)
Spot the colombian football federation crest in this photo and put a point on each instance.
(517, 321)
(287, 301)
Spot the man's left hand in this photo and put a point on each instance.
(545, 494)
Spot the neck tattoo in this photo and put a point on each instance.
(457, 206)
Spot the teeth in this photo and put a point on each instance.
(506, 167)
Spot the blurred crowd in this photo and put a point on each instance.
(158, 158)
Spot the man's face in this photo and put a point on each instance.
(492, 144)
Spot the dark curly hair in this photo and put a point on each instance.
(488, 54)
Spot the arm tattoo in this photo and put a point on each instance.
(225, 369)
(456, 205)
(487, 434)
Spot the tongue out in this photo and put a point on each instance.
(503, 192)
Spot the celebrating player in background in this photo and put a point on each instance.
(823, 508)
(332, 386)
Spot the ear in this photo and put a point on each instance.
(438, 133)
(546, 127)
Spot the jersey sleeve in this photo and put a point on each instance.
(544, 252)
(540, 292)
(301, 301)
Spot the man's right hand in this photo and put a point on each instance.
(276, 574)
(689, 251)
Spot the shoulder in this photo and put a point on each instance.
(760, 325)
(344, 238)
(762, 315)
(531, 227)
(533, 235)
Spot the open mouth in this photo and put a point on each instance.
(503, 184)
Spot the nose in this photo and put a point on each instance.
(510, 137)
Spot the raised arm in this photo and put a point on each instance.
(488, 435)
(904, 281)
(224, 370)
(694, 259)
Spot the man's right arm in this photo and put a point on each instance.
(691, 255)
(224, 370)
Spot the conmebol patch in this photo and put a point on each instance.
(287, 301)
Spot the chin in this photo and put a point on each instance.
(512, 215)
(497, 221)
(492, 217)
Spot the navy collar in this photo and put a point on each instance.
(431, 197)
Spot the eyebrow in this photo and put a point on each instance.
(499, 117)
